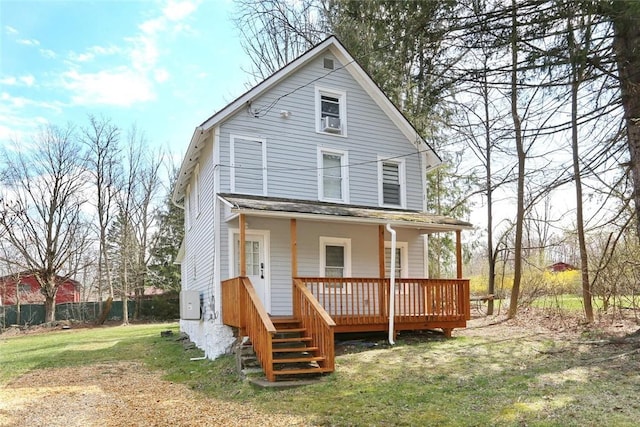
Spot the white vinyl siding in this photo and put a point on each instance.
(333, 176)
(391, 183)
(248, 165)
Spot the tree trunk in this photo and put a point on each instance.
(49, 309)
(106, 308)
(625, 16)
(577, 67)
(517, 126)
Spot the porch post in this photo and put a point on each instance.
(294, 248)
(381, 251)
(243, 254)
(458, 255)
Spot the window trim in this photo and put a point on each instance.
(401, 178)
(344, 174)
(342, 103)
(345, 242)
(232, 161)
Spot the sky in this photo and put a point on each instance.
(163, 66)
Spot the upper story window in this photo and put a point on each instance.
(248, 165)
(333, 177)
(331, 111)
(391, 183)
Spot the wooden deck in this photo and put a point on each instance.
(362, 304)
(323, 306)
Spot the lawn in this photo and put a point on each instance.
(506, 375)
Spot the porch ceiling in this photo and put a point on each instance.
(323, 211)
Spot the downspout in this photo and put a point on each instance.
(392, 284)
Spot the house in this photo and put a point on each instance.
(559, 267)
(24, 288)
(302, 198)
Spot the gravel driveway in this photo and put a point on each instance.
(120, 394)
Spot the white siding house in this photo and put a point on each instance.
(318, 143)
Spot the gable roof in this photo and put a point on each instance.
(333, 45)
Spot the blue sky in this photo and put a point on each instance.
(163, 65)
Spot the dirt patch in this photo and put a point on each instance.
(118, 394)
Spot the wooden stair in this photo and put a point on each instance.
(293, 356)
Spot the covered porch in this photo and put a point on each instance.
(323, 306)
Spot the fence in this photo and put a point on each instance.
(156, 308)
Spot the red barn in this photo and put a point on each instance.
(28, 290)
(559, 267)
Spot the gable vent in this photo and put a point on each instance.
(328, 63)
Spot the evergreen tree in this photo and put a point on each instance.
(165, 244)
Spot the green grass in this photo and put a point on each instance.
(562, 302)
(529, 379)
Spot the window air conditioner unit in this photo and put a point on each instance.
(331, 124)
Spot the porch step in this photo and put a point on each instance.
(295, 349)
(292, 355)
(299, 371)
(300, 359)
(291, 339)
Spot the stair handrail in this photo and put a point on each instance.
(318, 322)
(259, 328)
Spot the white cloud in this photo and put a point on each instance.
(161, 75)
(27, 80)
(178, 10)
(48, 53)
(10, 30)
(29, 42)
(120, 86)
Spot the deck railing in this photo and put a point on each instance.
(245, 310)
(316, 321)
(365, 301)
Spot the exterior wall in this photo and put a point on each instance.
(292, 143)
(364, 252)
(66, 292)
(198, 268)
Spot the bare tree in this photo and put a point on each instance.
(42, 216)
(275, 32)
(101, 138)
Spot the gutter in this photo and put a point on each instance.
(392, 284)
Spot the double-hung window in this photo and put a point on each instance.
(402, 264)
(391, 185)
(331, 111)
(333, 177)
(335, 260)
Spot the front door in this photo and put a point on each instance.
(257, 268)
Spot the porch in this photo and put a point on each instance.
(325, 306)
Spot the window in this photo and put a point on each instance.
(332, 176)
(335, 258)
(196, 190)
(187, 208)
(248, 165)
(331, 111)
(391, 191)
(402, 264)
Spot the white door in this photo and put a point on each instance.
(257, 268)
